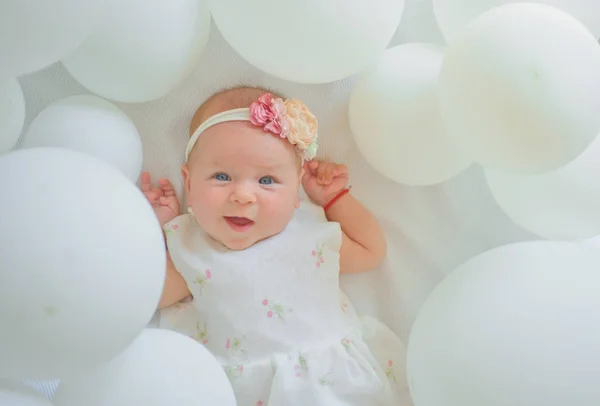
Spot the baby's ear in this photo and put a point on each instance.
(185, 173)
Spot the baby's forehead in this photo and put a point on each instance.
(241, 143)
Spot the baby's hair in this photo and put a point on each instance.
(235, 97)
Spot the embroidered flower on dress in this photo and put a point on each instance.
(170, 228)
(234, 345)
(301, 367)
(346, 343)
(203, 279)
(275, 309)
(325, 379)
(234, 372)
(201, 334)
(389, 372)
(289, 119)
(318, 255)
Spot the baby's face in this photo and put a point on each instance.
(242, 183)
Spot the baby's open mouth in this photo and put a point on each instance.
(239, 223)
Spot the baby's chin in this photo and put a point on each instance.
(240, 244)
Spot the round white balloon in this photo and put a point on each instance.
(160, 368)
(83, 263)
(453, 15)
(309, 41)
(12, 114)
(142, 50)
(395, 118)
(18, 394)
(561, 205)
(520, 89)
(36, 34)
(518, 325)
(91, 125)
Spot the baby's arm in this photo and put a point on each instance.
(166, 207)
(363, 243)
(175, 289)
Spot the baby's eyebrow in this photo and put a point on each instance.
(271, 166)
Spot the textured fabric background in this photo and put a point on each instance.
(430, 230)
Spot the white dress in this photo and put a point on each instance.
(274, 316)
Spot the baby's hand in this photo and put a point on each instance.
(324, 180)
(163, 198)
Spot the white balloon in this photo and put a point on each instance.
(395, 119)
(12, 113)
(453, 15)
(142, 50)
(520, 89)
(561, 205)
(83, 263)
(309, 41)
(91, 125)
(160, 368)
(518, 325)
(18, 394)
(35, 34)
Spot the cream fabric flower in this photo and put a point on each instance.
(302, 124)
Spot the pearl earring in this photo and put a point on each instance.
(190, 210)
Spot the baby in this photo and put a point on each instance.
(263, 269)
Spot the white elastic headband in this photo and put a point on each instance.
(242, 114)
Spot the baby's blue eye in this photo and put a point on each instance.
(266, 180)
(223, 177)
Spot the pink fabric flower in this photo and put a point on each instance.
(227, 344)
(205, 342)
(270, 314)
(208, 274)
(265, 302)
(390, 363)
(260, 403)
(175, 227)
(270, 114)
(261, 111)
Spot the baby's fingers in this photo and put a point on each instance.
(167, 187)
(340, 170)
(146, 182)
(169, 201)
(325, 174)
(157, 192)
(310, 167)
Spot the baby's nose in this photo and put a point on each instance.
(243, 195)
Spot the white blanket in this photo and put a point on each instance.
(430, 230)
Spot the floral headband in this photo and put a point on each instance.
(288, 119)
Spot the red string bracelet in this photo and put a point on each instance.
(336, 198)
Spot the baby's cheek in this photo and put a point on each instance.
(209, 198)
